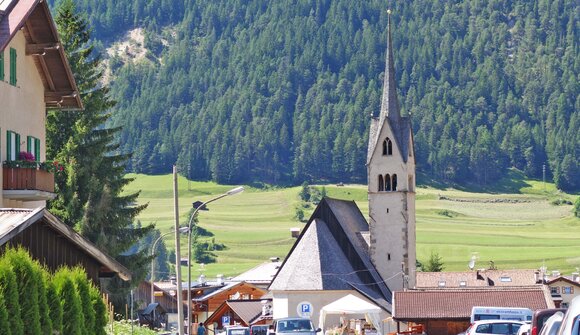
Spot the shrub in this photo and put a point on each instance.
(100, 310)
(4, 325)
(83, 288)
(54, 305)
(27, 288)
(577, 207)
(45, 321)
(9, 290)
(73, 322)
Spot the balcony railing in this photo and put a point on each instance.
(27, 184)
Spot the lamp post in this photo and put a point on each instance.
(233, 191)
(182, 230)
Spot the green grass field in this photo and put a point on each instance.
(517, 228)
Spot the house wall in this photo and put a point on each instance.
(285, 303)
(445, 327)
(392, 214)
(204, 310)
(566, 297)
(22, 107)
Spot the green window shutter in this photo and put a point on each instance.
(17, 151)
(37, 149)
(29, 143)
(2, 65)
(12, 66)
(9, 145)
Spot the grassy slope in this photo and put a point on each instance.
(254, 225)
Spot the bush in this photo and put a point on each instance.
(100, 310)
(73, 323)
(577, 207)
(43, 309)
(83, 288)
(27, 288)
(4, 325)
(9, 291)
(54, 305)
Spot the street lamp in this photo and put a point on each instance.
(182, 230)
(233, 191)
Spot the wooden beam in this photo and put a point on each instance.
(40, 48)
(47, 75)
(58, 96)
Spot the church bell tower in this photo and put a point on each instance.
(391, 186)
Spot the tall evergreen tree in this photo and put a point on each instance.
(90, 189)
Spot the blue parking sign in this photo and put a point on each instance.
(225, 320)
(304, 309)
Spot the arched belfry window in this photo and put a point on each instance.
(394, 182)
(387, 182)
(387, 147)
(381, 183)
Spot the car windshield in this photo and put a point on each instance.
(288, 326)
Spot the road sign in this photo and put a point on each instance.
(225, 320)
(304, 309)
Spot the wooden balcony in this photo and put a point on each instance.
(27, 184)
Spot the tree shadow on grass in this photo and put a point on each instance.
(512, 182)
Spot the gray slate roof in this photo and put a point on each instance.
(331, 254)
(390, 111)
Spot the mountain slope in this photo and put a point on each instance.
(280, 91)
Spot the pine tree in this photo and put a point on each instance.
(72, 323)
(54, 305)
(9, 290)
(21, 264)
(89, 193)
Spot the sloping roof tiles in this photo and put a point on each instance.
(457, 304)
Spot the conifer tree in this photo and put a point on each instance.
(43, 308)
(21, 264)
(89, 192)
(54, 305)
(79, 278)
(4, 325)
(73, 322)
(9, 290)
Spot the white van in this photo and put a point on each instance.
(500, 313)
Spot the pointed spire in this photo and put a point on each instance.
(389, 103)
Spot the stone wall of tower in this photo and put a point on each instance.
(392, 215)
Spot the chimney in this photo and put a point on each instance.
(202, 279)
(173, 280)
(537, 277)
(555, 273)
(220, 279)
(576, 277)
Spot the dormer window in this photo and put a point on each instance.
(441, 283)
(387, 147)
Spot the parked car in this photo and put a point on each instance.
(524, 330)
(295, 326)
(235, 330)
(552, 325)
(496, 327)
(259, 330)
(541, 316)
(571, 321)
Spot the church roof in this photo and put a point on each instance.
(331, 254)
(390, 111)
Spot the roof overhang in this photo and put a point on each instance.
(44, 45)
(109, 266)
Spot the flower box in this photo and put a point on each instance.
(25, 178)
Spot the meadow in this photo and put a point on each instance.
(516, 225)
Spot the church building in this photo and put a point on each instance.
(338, 252)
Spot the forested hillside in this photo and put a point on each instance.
(281, 90)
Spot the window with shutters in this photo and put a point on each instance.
(12, 145)
(33, 146)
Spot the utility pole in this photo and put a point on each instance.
(177, 255)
